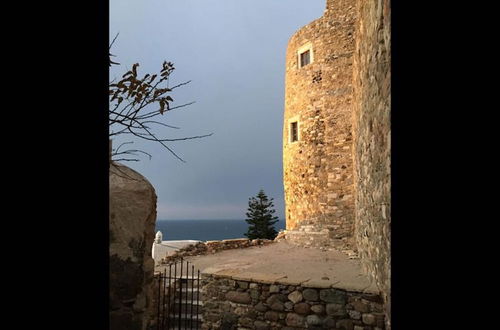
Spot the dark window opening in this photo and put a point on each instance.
(294, 132)
(305, 58)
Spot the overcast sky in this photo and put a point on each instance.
(233, 51)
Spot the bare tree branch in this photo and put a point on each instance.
(129, 101)
(112, 42)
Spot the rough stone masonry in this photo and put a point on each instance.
(318, 167)
(336, 134)
(244, 305)
(372, 142)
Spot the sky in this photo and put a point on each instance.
(233, 52)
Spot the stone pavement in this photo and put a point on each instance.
(287, 264)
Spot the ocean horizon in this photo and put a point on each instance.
(206, 229)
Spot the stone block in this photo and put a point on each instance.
(271, 316)
(260, 325)
(239, 297)
(294, 320)
(274, 289)
(302, 308)
(369, 319)
(295, 297)
(333, 296)
(261, 307)
(313, 320)
(337, 310)
(318, 309)
(310, 294)
(355, 315)
(345, 324)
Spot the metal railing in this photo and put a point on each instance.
(178, 297)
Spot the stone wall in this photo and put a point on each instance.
(372, 141)
(229, 304)
(318, 168)
(209, 247)
(132, 205)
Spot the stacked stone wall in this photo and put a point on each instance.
(231, 304)
(210, 247)
(318, 168)
(372, 141)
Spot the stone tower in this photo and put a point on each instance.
(317, 129)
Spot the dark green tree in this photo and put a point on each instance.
(260, 217)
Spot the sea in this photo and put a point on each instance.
(206, 230)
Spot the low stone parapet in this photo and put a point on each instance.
(260, 305)
(210, 247)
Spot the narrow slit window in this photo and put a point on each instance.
(294, 132)
(305, 58)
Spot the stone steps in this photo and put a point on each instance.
(187, 321)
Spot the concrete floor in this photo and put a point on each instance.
(287, 264)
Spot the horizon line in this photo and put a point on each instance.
(207, 219)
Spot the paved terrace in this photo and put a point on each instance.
(287, 264)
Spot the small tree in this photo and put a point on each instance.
(260, 217)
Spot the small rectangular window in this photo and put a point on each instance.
(305, 58)
(294, 132)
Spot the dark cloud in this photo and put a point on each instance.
(234, 53)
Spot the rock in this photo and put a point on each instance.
(361, 306)
(260, 325)
(254, 286)
(251, 313)
(368, 319)
(336, 310)
(313, 320)
(302, 308)
(246, 322)
(132, 216)
(229, 321)
(243, 285)
(295, 297)
(278, 306)
(288, 306)
(355, 315)
(276, 297)
(310, 294)
(377, 308)
(240, 311)
(318, 309)
(254, 294)
(333, 296)
(239, 297)
(357, 327)
(271, 316)
(294, 320)
(261, 307)
(274, 289)
(328, 322)
(380, 319)
(345, 324)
